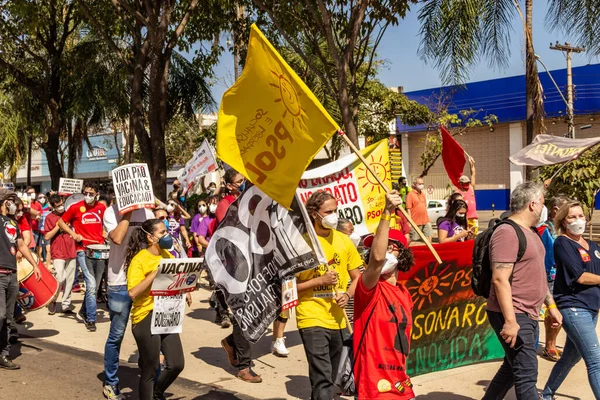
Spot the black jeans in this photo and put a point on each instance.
(9, 288)
(221, 308)
(520, 367)
(323, 349)
(241, 346)
(149, 347)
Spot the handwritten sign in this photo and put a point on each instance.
(202, 162)
(133, 187)
(69, 186)
(450, 326)
(176, 276)
(167, 315)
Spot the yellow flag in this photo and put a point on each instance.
(270, 124)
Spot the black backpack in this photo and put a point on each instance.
(481, 280)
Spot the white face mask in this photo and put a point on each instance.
(391, 262)
(42, 200)
(202, 209)
(60, 210)
(355, 237)
(212, 208)
(543, 216)
(19, 215)
(420, 187)
(170, 208)
(460, 215)
(32, 196)
(576, 227)
(89, 199)
(329, 221)
(11, 208)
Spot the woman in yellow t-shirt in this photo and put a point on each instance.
(147, 247)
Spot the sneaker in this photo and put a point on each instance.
(158, 396)
(112, 393)
(7, 363)
(247, 375)
(20, 319)
(13, 337)
(91, 326)
(225, 322)
(278, 347)
(68, 312)
(76, 288)
(230, 353)
(82, 315)
(52, 308)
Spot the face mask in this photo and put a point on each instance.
(165, 242)
(42, 200)
(60, 210)
(576, 227)
(355, 237)
(460, 216)
(543, 216)
(32, 196)
(212, 208)
(11, 208)
(420, 187)
(211, 189)
(391, 262)
(19, 215)
(89, 199)
(170, 208)
(329, 221)
(202, 209)
(242, 187)
(166, 222)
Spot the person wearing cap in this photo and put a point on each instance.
(383, 314)
(466, 187)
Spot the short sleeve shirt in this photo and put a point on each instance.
(204, 228)
(469, 197)
(8, 242)
(417, 204)
(452, 228)
(62, 245)
(316, 307)
(86, 221)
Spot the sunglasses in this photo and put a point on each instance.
(162, 218)
(89, 194)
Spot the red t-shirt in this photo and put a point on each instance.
(33, 221)
(86, 221)
(24, 226)
(380, 368)
(469, 197)
(62, 246)
(222, 208)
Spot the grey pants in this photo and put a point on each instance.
(9, 288)
(65, 275)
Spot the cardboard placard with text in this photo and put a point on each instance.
(133, 187)
(176, 276)
(69, 186)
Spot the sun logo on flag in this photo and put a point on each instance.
(290, 99)
(429, 283)
(382, 170)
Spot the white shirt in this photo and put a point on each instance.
(116, 272)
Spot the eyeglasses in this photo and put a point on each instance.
(162, 218)
(91, 194)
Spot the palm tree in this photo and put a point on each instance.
(578, 19)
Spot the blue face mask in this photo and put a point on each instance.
(166, 222)
(242, 187)
(165, 242)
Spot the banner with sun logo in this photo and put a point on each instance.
(450, 326)
(270, 124)
(360, 197)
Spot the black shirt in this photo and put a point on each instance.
(572, 260)
(8, 242)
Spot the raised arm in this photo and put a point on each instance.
(473, 171)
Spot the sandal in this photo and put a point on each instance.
(552, 355)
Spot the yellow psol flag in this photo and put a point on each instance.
(270, 124)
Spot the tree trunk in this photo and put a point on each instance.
(529, 93)
(53, 138)
(71, 151)
(29, 153)
(157, 118)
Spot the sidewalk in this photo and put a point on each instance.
(206, 362)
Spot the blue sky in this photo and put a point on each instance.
(404, 67)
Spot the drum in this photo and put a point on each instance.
(72, 199)
(44, 291)
(97, 251)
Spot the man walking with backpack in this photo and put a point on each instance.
(517, 291)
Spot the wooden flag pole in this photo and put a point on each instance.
(402, 210)
(348, 324)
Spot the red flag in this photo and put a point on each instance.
(453, 156)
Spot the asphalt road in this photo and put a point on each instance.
(53, 371)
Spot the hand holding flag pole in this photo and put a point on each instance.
(372, 172)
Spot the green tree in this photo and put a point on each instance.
(578, 19)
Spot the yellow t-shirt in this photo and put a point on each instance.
(141, 265)
(316, 306)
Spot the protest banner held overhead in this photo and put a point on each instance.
(550, 150)
(133, 187)
(68, 186)
(258, 243)
(270, 124)
(450, 326)
(202, 162)
(360, 197)
(176, 275)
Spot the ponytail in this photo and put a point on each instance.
(138, 240)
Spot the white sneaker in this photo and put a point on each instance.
(278, 347)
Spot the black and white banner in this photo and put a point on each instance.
(257, 244)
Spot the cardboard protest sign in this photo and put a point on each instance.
(167, 315)
(257, 245)
(176, 275)
(450, 326)
(133, 187)
(68, 186)
(360, 197)
(202, 162)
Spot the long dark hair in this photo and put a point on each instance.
(138, 241)
(451, 214)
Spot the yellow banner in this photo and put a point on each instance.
(360, 197)
(270, 124)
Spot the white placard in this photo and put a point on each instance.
(69, 186)
(202, 162)
(176, 276)
(167, 315)
(289, 293)
(133, 187)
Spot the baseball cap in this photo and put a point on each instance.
(464, 179)
(394, 235)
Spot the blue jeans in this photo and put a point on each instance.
(582, 341)
(92, 273)
(119, 307)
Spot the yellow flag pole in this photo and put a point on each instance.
(402, 210)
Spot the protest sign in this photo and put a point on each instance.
(289, 293)
(167, 315)
(550, 150)
(68, 186)
(258, 243)
(270, 124)
(133, 187)
(360, 197)
(202, 162)
(176, 275)
(450, 326)
(7, 186)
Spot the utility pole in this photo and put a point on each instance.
(570, 113)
